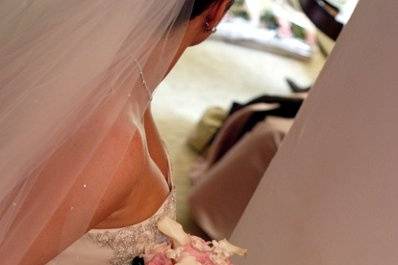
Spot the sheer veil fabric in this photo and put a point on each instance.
(70, 71)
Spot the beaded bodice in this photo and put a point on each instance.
(118, 246)
(131, 241)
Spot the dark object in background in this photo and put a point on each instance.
(215, 119)
(323, 14)
(287, 107)
(138, 261)
(296, 88)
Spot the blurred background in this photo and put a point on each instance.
(260, 45)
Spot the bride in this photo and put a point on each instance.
(84, 176)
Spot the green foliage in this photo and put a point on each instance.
(239, 10)
(269, 19)
(298, 32)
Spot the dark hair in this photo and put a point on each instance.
(200, 6)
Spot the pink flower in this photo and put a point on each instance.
(190, 250)
(160, 259)
(203, 257)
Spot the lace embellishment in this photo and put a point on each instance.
(131, 241)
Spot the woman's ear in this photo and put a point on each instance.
(215, 13)
(201, 27)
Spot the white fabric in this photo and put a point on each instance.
(118, 246)
(73, 74)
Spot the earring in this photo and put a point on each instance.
(208, 28)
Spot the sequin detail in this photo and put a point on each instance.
(131, 241)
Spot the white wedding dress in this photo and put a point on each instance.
(117, 246)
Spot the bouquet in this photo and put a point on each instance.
(185, 249)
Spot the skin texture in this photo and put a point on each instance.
(129, 198)
(197, 32)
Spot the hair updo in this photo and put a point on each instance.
(200, 6)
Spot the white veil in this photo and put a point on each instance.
(69, 70)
